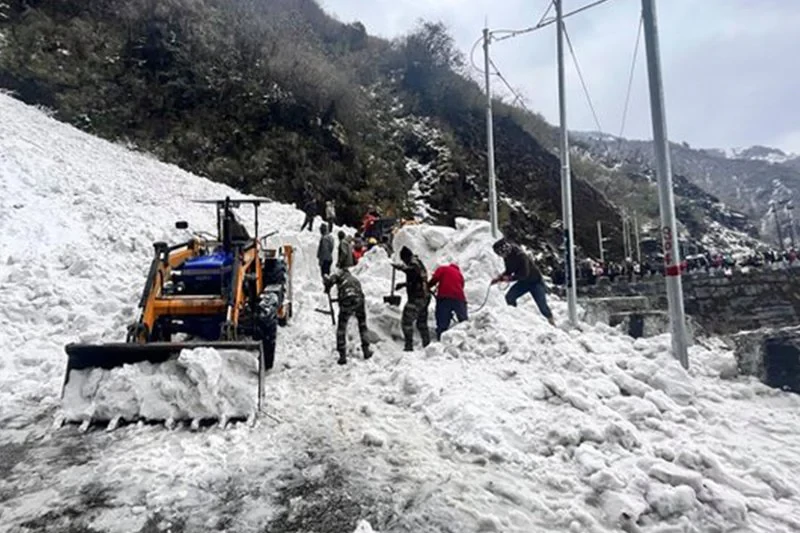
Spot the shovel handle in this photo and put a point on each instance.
(330, 305)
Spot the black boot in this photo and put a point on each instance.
(367, 351)
(409, 346)
(426, 338)
(342, 358)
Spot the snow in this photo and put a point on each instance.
(507, 424)
(773, 156)
(427, 173)
(201, 383)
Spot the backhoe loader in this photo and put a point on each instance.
(228, 292)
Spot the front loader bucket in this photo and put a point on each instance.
(162, 381)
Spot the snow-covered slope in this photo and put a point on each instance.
(506, 425)
(760, 153)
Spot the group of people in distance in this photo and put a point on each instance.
(447, 282)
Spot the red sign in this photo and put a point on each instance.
(670, 268)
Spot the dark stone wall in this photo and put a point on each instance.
(722, 304)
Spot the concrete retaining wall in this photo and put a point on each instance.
(721, 304)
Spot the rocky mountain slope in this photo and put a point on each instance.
(277, 98)
(747, 180)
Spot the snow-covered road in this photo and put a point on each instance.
(506, 425)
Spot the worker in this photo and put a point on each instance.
(351, 302)
(368, 221)
(237, 230)
(310, 209)
(450, 298)
(345, 252)
(325, 250)
(521, 269)
(358, 250)
(386, 244)
(330, 212)
(419, 297)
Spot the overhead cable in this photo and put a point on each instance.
(583, 82)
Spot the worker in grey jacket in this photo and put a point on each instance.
(325, 250)
(345, 252)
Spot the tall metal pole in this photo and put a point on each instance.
(669, 230)
(778, 226)
(636, 235)
(790, 211)
(566, 179)
(490, 138)
(600, 241)
(625, 237)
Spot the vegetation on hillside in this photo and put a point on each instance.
(278, 98)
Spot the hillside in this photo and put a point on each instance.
(506, 425)
(278, 99)
(703, 219)
(745, 180)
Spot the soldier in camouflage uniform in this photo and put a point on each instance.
(351, 302)
(419, 297)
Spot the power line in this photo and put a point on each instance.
(517, 96)
(546, 12)
(630, 79)
(543, 23)
(472, 55)
(583, 82)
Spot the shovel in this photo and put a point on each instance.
(328, 311)
(392, 299)
(330, 306)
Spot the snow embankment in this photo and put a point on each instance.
(588, 429)
(507, 424)
(78, 219)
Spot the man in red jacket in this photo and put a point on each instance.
(450, 297)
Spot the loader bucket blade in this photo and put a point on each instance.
(112, 355)
(133, 378)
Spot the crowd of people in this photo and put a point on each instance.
(588, 271)
(446, 285)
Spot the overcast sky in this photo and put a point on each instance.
(730, 66)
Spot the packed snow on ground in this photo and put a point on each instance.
(199, 384)
(507, 424)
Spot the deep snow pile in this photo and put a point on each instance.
(507, 424)
(76, 238)
(199, 384)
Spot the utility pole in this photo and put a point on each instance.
(600, 241)
(636, 235)
(566, 179)
(625, 237)
(490, 138)
(669, 230)
(790, 211)
(778, 225)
